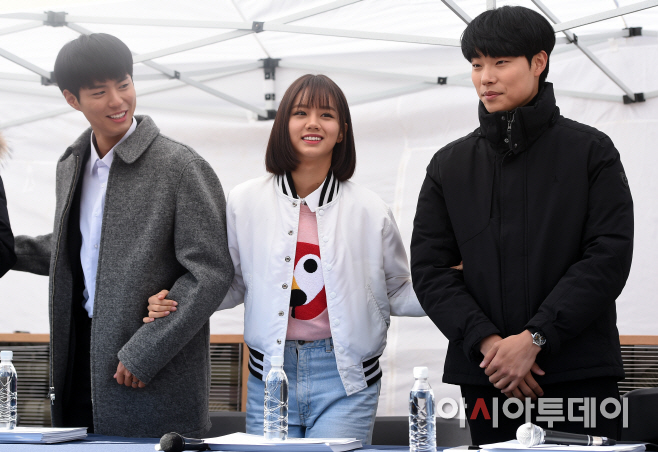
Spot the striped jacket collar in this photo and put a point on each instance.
(326, 193)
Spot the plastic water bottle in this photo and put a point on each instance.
(422, 423)
(275, 423)
(7, 391)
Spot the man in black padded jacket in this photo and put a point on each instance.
(7, 256)
(538, 209)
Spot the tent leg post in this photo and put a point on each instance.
(269, 73)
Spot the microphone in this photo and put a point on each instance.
(531, 435)
(174, 442)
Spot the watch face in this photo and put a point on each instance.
(538, 339)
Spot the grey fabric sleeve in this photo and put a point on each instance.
(201, 248)
(33, 254)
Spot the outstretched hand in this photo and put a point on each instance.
(159, 306)
(509, 363)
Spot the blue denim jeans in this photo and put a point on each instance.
(318, 406)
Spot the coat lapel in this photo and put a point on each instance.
(135, 145)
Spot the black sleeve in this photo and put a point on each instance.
(7, 255)
(440, 289)
(598, 277)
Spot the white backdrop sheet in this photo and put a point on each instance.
(395, 140)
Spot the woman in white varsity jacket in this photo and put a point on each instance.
(320, 267)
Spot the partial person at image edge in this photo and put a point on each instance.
(7, 255)
(135, 211)
(539, 209)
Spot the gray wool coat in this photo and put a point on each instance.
(163, 228)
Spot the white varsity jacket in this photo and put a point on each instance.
(364, 265)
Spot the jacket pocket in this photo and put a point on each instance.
(372, 301)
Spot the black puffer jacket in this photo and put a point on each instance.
(539, 210)
(7, 256)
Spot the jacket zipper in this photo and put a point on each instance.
(510, 121)
(51, 391)
(508, 140)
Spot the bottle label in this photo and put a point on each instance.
(8, 398)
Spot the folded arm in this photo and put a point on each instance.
(200, 245)
(401, 295)
(439, 285)
(235, 294)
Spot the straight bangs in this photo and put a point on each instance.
(91, 59)
(509, 31)
(317, 91)
(103, 67)
(494, 45)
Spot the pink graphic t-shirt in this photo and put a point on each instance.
(308, 317)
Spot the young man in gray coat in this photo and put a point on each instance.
(135, 212)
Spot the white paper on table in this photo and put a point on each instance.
(42, 435)
(239, 442)
(516, 446)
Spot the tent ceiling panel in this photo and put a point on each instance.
(190, 42)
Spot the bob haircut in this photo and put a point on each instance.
(509, 31)
(89, 59)
(317, 91)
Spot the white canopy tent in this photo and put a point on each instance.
(204, 73)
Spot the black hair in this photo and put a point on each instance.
(509, 31)
(317, 91)
(89, 59)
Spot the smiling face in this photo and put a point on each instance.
(109, 107)
(314, 130)
(505, 83)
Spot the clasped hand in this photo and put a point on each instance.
(509, 363)
(124, 377)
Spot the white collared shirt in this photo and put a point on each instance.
(313, 200)
(92, 205)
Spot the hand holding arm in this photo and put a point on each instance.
(159, 306)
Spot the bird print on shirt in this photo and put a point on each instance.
(308, 298)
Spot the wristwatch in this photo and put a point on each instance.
(538, 338)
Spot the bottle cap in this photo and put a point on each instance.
(420, 372)
(277, 361)
(6, 355)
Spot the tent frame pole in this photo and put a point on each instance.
(244, 28)
(186, 79)
(21, 27)
(26, 64)
(457, 10)
(588, 53)
(598, 17)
